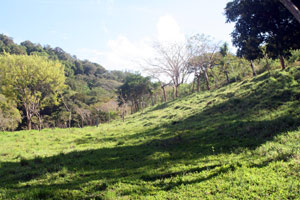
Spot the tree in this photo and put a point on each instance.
(30, 47)
(224, 52)
(133, 90)
(202, 57)
(171, 61)
(9, 114)
(7, 45)
(156, 76)
(260, 23)
(83, 113)
(34, 82)
(292, 8)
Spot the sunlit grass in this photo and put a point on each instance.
(238, 142)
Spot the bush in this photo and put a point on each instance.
(295, 56)
(9, 115)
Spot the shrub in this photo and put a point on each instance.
(9, 115)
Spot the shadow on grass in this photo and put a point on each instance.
(218, 129)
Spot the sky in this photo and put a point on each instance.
(114, 33)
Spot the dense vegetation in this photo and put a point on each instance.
(89, 87)
(237, 142)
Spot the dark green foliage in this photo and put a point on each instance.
(134, 89)
(9, 114)
(260, 23)
(7, 45)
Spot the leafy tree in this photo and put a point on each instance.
(265, 22)
(224, 62)
(61, 54)
(78, 67)
(89, 68)
(7, 45)
(31, 47)
(33, 81)
(202, 57)
(134, 89)
(9, 114)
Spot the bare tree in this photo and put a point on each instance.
(292, 8)
(83, 113)
(202, 52)
(171, 61)
(156, 76)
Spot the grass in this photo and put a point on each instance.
(238, 142)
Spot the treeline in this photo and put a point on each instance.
(266, 35)
(208, 71)
(199, 64)
(88, 97)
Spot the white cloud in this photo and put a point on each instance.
(127, 54)
(168, 30)
(124, 54)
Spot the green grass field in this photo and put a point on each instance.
(241, 141)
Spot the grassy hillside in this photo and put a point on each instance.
(238, 142)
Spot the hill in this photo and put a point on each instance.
(89, 86)
(238, 142)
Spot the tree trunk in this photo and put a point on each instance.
(193, 87)
(81, 122)
(70, 119)
(173, 93)
(142, 106)
(253, 68)
(40, 122)
(226, 73)
(123, 115)
(292, 8)
(206, 79)
(28, 123)
(152, 100)
(28, 117)
(137, 106)
(176, 91)
(215, 78)
(282, 62)
(198, 83)
(227, 78)
(164, 93)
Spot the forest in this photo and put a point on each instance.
(75, 93)
(200, 121)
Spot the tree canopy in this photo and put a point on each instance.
(133, 90)
(32, 81)
(259, 23)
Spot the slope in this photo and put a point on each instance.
(238, 142)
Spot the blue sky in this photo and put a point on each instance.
(113, 33)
